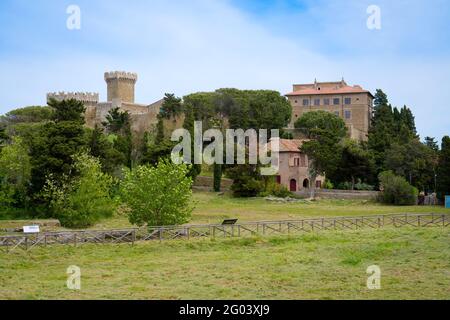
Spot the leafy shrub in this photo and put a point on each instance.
(246, 180)
(328, 184)
(396, 190)
(15, 173)
(358, 186)
(158, 195)
(276, 190)
(82, 200)
(364, 186)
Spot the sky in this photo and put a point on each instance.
(187, 46)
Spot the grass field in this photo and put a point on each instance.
(415, 263)
(213, 208)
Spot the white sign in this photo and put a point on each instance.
(31, 229)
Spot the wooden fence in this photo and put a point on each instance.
(186, 232)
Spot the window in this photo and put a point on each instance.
(295, 101)
(305, 102)
(317, 102)
(303, 160)
(318, 184)
(326, 102)
(347, 114)
(296, 162)
(348, 101)
(336, 101)
(278, 179)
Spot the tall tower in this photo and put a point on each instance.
(120, 85)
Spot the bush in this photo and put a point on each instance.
(276, 190)
(328, 184)
(358, 186)
(396, 190)
(247, 181)
(82, 200)
(158, 195)
(15, 172)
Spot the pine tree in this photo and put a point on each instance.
(382, 129)
(443, 172)
(53, 147)
(431, 143)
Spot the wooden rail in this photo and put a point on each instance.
(186, 232)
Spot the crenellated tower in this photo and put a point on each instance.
(120, 85)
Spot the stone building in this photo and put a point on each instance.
(294, 166)
(120, 93)
(352, 103)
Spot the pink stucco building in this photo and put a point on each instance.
(294, 166)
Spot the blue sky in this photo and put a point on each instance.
(198, 45)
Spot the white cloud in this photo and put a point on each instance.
(188, 46)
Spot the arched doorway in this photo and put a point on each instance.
(293, 185)
(306, 183)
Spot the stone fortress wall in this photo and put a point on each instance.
(121, 94)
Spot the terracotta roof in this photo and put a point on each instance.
(287, 145)
(341, 90)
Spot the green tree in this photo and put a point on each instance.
(396, 190)
(30, 114)
(217, 177)
(118, 123)
(356, 164)
(414, 161)
(3, 137)
(431, 143)
(103, 149)
(325, 131)
(382, 129)
(15, 173)
(247, 180)
(158, 195)
(80, 201)
(171, 106)
(54, 144)
(443, 171)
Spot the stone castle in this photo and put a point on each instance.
(120, 93)
(351, 103)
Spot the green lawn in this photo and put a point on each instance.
(213, 208)
(415, 264)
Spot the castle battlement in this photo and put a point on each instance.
(90, 97)
(120, 75)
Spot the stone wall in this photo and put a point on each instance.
(340, 194)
